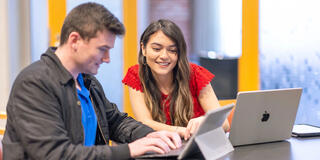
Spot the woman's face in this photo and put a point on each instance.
(161, 54)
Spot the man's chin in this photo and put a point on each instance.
(92, 73)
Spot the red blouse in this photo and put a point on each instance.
(199, 78)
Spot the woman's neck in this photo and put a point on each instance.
(165, 83)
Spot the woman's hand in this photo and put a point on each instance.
(192, 127)
(180, 130)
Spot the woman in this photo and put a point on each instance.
(166, 91)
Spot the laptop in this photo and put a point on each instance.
(264, 116)
(209, 134)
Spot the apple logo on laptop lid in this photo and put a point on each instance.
(265, 116)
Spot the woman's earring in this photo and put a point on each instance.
(144, 60)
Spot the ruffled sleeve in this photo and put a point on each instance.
(132, 79)
(200, 77)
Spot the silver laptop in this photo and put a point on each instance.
(264, 116)
(213, 121)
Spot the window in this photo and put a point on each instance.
(290, 52)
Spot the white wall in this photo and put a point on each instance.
(217, 26)
(111, 74)
(289, 45)
(39, 28)
(4, 55)
(19, 36)
(142, 7)
(14, 45)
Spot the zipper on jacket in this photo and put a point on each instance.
(79, 104)
(105, 141)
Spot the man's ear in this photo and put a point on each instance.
(143, 49)
(73, 40)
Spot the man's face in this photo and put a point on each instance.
(91, 54)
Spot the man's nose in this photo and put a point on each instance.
(106, 57)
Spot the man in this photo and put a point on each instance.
(58, 110)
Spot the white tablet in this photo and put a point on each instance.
(305, 130)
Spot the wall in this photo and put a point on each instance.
(14, 46)
(290, 51)
(39, 28)
(178, 11)
(110, 75)
(4, 56)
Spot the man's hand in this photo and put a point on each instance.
(171, 138)
(159, 142)
(192, 127)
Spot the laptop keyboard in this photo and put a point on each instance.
(172, 153)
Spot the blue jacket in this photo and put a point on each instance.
(44, 117)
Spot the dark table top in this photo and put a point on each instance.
(291, 149)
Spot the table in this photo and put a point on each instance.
(291, 149)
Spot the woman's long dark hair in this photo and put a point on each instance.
(181, 104)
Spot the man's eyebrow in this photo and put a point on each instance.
(105, 46)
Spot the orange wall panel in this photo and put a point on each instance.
(57, 13)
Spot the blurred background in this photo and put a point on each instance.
(247, 44)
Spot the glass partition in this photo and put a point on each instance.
(290, 51)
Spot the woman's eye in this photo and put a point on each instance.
(157, 49)
(173, 51)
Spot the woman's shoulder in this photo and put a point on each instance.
(134, 68)
(132, 78)
(199, 78)
(196, 67)
(197, 70)
(133, 72)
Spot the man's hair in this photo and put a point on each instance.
(89, 18)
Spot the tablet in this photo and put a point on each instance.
(305, 130)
